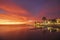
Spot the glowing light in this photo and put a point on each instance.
(49, 22)
(10, 22)
(29, 22)
(4, 21)
(37, 25)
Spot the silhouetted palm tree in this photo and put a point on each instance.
(44, 19)
(54, 21)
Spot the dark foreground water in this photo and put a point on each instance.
(27, 33)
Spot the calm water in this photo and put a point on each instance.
(26, 33)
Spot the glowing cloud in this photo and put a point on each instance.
(3, 21)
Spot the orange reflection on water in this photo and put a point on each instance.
(9, 28)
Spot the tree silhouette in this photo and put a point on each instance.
(54, 21)
(44, 19)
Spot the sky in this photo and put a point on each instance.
(22, 10)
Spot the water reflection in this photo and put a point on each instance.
(25, 33)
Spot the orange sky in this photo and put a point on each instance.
(14, 11)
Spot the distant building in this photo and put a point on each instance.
(58, 20)
(49, 21)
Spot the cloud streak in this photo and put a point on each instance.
(12, 11)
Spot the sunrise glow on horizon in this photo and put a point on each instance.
(6, 22)
(23, 11)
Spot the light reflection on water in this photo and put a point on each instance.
(13, 28)
(12, 32)
(24, 32)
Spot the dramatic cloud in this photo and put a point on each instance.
(25, 10)
(12, 17)
(12, 11)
